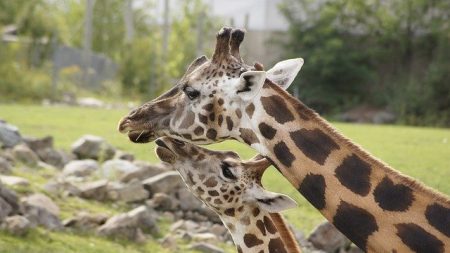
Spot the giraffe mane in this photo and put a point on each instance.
(285, 233)
(365, 155)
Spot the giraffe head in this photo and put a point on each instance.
(221, 179)
(207, 103)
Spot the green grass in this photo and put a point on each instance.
(423, 153)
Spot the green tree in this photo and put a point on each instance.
(393, 54)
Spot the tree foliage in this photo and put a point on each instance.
(143, 69)
(393, 54)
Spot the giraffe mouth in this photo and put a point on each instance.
(164, 152)
(143, 136)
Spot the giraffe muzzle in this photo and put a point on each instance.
(164, 152)
(143, 136)
(136, 134)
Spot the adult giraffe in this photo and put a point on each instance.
(376, 207)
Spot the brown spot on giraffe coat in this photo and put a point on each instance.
(229, 123)
(203, 119)
(251, 240)
(250, 109)
(315, 144)
(439, 217)
(393, 197)
(276, 245)
(283, 154)
(419, 240)
(211, 134)
(260, 225)
(276, 107)
(211, 182)
(248, 136)
(267, 131)
(199, 130)
(356, 223)
(354, 174)
(229, 212)
(313, 189)
(269, 225)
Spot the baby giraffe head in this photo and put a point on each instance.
(221, 179)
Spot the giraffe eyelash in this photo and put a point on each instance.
(226, 172)
(190, 92)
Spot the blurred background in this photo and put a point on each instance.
(368, 61)
(70, 69)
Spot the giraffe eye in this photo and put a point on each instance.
(226, 171)
(191, 92)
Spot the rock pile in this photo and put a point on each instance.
(95, 171)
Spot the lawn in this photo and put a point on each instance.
(423, 153)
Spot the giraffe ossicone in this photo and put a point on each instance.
(232, 188)
(364, 198)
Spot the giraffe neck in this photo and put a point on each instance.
(256, 230)
(364, 198)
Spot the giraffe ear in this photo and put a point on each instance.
(271, 201)
(284, 72)
(250, 83)
(276, 202)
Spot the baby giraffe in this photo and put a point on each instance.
(232, 188)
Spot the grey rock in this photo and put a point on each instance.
(10, 197)
(5, 166)
(92, 147)
(8, 156)
(42, 201)
(40, 210)
(80, 168)
(115, 169)
(354, 249)
(39, 143)
(198, 217)
(210, 214)
(85, 221)
(62, 188)
(24, 154)
(163, 202)
(384, 117)
(169, 242)
(5, 209)
(204, 236)
(90, 102)
(219, 230)
(168, 216)
(122, 155)
(97, 190)
(327, 238)
(144, 171)
(9, 135)
(205, 248)
(54, 157)
(17, 225)
(167, 182)
(188, 202)
(14, 181)
(45, 166)
(177, 225)
(368, 114)
(132, 192)
(130, 225)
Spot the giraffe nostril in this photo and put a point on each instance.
(123, 124)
